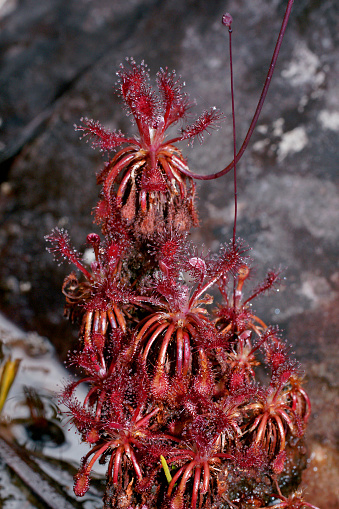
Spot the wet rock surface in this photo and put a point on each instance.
(58, 63)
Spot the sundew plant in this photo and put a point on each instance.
(174, 407)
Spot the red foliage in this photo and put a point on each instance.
(166, 375)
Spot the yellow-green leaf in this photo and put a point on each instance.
(166, 469)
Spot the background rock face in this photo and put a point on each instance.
(58, 63)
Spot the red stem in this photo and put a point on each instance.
(98, 453)
(117, 462)
(147, 417)
(234, 141)
(235, 163)
(187, 354)
(164, 346)
(308, 403)
(206, 478)
(114, 172)
(174, 480)
(195, 489)
(154, 336)
(136, 466)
